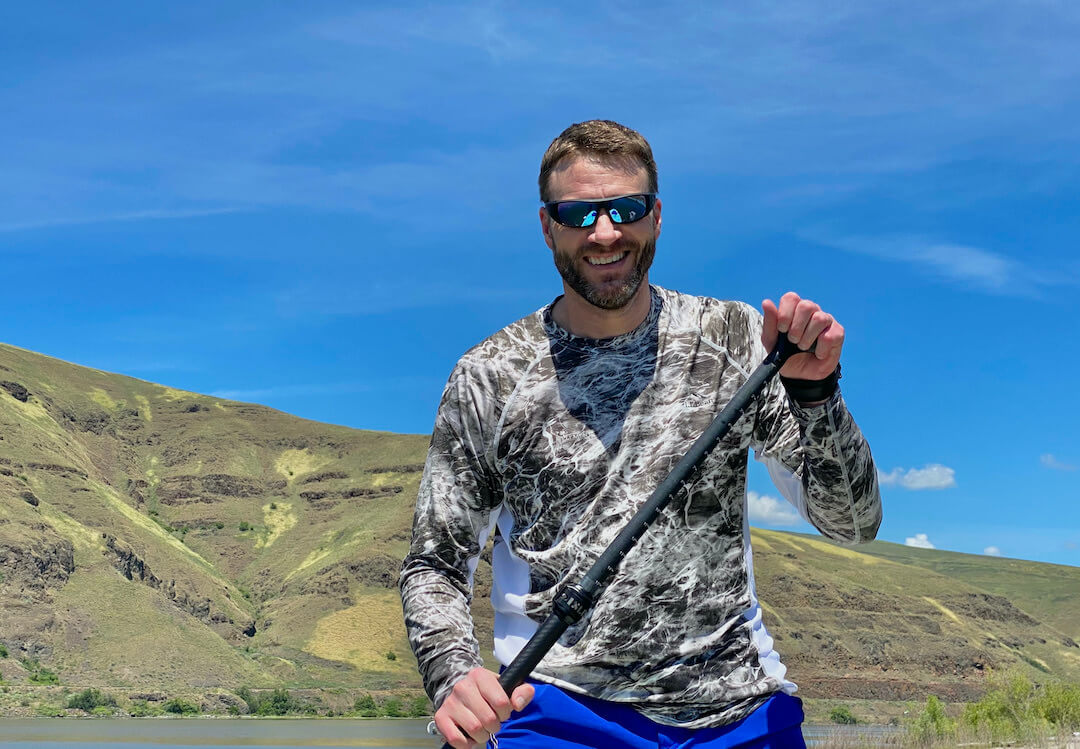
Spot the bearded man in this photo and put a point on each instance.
(553, 431)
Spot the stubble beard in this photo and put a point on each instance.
(610, 296)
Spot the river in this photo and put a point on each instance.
(207, 733)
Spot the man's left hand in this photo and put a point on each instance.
(804, 322)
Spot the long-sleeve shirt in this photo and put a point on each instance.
(552, 442)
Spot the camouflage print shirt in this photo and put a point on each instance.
(551, 442)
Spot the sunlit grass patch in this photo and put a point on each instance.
(292, 463)
(363, 635)
(103, 399)
(942, 608)
(278, 518)
(175, 395)
(144, 408)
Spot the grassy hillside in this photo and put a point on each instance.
(1049, 592)
(152, 536)
(861, 625)
(155, 539)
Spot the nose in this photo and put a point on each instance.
(604, 231)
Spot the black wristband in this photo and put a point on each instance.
(810, 391)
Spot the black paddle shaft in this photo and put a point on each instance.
(575, 600)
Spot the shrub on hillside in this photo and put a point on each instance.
(843, 716)
(278, 702)
(38, 673)
(3, 652)
(392, 708)
(932, 724)
(44, 676)
(419, 708)
(89, 699)
(1059, 705)
(1005, 713)
(143, 709)
(178, 706)
(365, 706)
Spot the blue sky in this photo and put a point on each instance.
(320, 208)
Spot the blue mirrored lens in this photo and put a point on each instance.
(627, 210)
(576, 213)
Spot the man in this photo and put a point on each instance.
(553, 431)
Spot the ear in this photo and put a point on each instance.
(545, 227)
(656, 216)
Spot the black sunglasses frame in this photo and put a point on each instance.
(552, 208)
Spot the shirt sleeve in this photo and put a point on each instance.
(817, 457)
(454, 509)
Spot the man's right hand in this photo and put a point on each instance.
(476, 707)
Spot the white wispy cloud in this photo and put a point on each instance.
(215, 115)
(1049, 461)
(972, 267)
(919, 541)
(105, 218)
(770, 510)
(992, 551)
(930, 476)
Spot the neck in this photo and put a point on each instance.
(574, 314)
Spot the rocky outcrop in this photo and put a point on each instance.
(34, 563)
(134, 568)
(186, 489)
(325, 476)
(63, 471)
(18, 392)
(378, 571)
(407, 468)
(313, 495)
(988, 608)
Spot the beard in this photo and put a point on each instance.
(610, 295)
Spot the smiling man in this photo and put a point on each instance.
(553, 431)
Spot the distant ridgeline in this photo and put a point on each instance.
(154, 538)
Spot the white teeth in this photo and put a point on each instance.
(606, 260)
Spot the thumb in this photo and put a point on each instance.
(522, 696)
(769, 332)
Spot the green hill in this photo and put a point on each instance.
(153, 539)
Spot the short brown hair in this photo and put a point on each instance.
(597, 138)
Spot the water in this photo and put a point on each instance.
(207, 733)
(858, 735)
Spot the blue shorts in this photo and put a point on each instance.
(556, 719)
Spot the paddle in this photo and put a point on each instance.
(575, 600)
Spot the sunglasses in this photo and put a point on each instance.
(581, 214)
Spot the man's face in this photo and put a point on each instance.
(605, 263)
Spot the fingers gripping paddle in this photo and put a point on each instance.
(575, 600)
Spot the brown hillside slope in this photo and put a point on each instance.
(151, 537)
(237, 544)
